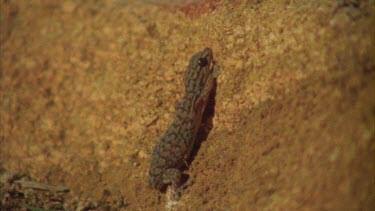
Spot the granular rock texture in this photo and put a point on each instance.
(87, 87)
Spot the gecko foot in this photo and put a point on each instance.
(173, 195)
(216, 71)
(183, 188)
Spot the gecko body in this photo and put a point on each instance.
(174, 147)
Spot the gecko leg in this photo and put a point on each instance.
(173, 176)
(202, 100)
(216, 71)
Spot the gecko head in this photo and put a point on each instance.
(199, 69)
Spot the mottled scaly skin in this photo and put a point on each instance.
(174, 147)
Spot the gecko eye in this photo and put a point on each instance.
(202, 62)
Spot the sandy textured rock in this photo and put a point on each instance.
(87, 88)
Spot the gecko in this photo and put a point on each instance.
(174, 147)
